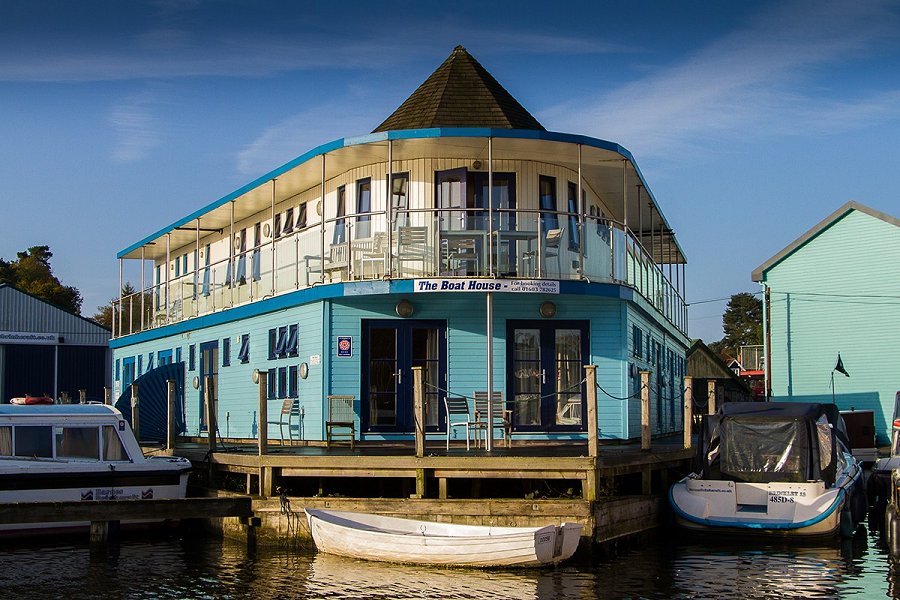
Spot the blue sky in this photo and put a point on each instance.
(751, 121)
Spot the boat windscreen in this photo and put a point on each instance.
(759, 451)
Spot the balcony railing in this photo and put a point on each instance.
(514, 244)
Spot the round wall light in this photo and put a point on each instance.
(255, 376)
(304, 370)
(196, 382)
(476, 165)
(548, 309)
(404, 308)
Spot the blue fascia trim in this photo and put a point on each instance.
(394, 135)
(761, 525)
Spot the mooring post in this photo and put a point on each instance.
(688, 410)
(135, 417)
(82, 396)
(262, 386)
(170, 421)
(419, 409)
(107, 396)
(645, 410)
(590, 376)
(711, 396)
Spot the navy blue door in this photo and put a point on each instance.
(209, 368)
(545, 372)
(390, 350)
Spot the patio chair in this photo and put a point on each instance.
(290, 410)
(412, 246)
(501, 416)
(340, 416)
(458, 415)
(551, 247)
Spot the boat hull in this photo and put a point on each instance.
(390, 539)
(782, 509)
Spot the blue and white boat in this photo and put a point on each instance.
(782, 468)
(78, 452)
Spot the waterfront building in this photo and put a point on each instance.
(460, 236)
(47, 351)
(829, 298)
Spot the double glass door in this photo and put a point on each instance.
(545, 370)
(390, 350)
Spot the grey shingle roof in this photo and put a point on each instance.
(460, 93)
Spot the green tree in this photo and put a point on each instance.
(742, 324)
(31, 273)
(131, 301)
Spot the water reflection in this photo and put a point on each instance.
(195, 567)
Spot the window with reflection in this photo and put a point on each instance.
(363, 206)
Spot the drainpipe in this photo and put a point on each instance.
(767, 325)
(274, 253)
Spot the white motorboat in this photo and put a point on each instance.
(78, 452)
(774, 468)
(391, 539)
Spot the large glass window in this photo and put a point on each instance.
(549, 218)
(112, 445)
(77, 442)
(400, 199)
(340, 235)
(34, 440)
(574, 230)
(363, 206)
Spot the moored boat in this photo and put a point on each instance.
(392, 539)
(78, 452)
(782, 468)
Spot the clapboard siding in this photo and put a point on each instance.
(838, 293)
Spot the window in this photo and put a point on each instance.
(118, 372)
(290, 347)
(292, 381)
(5, 441)
(273, 341)
(34, 441)
(574, 230)
(549, 218)
(240, 274)
(282, 382)
(178, 354)
(177, 267)
(192, 358)
(112, 445)
(276, 229)
(301, 216)
(158, 287)
(288, 221)
(282, 342)
(140, 364)
(340, 235)
(244, 353)
(637, 336)
(205, 285)
(184, 264)
(226, 352)
(257, 242)
(150, 362)
(363, 206)
(400, 199)
(270, 384)
(77, 442)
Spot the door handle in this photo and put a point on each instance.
(543, 376)
(399, 376)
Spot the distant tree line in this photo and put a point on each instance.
(31, 273)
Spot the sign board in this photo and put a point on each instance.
(344, 346)
(515, 286)
(27, 337)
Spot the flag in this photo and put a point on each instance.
(839, 367)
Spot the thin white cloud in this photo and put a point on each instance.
(135, 128)
(302, 132)
(754, 81)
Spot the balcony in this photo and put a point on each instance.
(435, 243)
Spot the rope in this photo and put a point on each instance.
(531, 399)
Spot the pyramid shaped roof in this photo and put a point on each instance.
(460, 93)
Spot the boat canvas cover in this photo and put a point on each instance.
(772, 442)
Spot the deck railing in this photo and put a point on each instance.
(444, 243)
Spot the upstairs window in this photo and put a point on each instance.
(637, 337)
(549, 218)
(226, 352)
(400, 199)
(301, 216)
(290, 348)
(340, 234)
(363, 207)
(574, 230)
(277, 226)
(288, 221)
(273, 342)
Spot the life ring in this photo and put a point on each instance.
(32, 400)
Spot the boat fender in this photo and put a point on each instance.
(894, 534)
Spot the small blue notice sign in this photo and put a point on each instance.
(344, 345)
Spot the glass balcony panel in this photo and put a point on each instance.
(414, 255)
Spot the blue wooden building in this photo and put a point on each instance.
(834, 292)
(460, 236)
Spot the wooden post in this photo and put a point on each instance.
(209, 395)
(711, 396)
(419, 411)
(688, 410)
(590, 376)
(170, 427)
(82, 396)
(645, 410)
(262, 386)
(107, 396)
(135, 418)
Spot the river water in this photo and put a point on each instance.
(199, 567)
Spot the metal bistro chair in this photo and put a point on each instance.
(458, 415)
(340, 416)
(290, 410)
(501, 417)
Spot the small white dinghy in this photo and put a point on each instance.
(390, 539)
